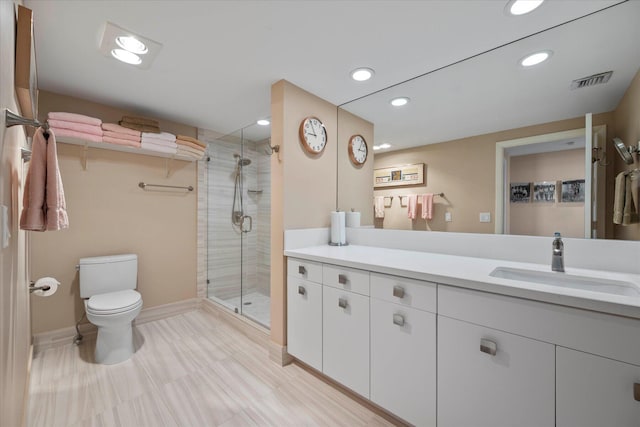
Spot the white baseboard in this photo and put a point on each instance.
(64, 336)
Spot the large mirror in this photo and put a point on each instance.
(505, 148)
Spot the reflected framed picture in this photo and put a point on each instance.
(573, 191)
(520, 192)
(26, 78)
(544, 191)
(399, 176)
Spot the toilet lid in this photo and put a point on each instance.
(114, 302)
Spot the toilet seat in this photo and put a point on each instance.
(114, 302)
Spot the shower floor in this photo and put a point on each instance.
(259, 309)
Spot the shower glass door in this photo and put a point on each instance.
(239, 216)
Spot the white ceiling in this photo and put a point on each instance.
(219, 58)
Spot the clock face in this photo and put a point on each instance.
(313, 135)
(358, 150)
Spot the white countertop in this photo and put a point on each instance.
(473, 273)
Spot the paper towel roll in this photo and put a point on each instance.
(46, 281)
(338, 232)
(353, 219)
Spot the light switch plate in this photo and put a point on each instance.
(447, 216)
(485, 216)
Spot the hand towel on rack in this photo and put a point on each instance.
(113, 127)
(624, 207)
(166, 136)
(121, 141)
(427, 206)
(378, 206)
(412, 206)
(78, 127)
(44, 206)
(75, 134)
(72, 117)
(193, 140)
(121, 136)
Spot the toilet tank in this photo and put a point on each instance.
(99, 275)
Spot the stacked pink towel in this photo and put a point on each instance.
(116, 134)
(163, 142)
(75, 126)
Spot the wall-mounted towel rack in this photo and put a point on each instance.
(403, 199)
(179, 187)
(13, 119)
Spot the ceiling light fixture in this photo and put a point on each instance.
(128, 47)
(399, 102)
(535, 58)
(521, 7)
(132, 44)
(126, 56)
(263, 122)
(362, 74)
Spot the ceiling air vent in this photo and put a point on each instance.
(596, 79)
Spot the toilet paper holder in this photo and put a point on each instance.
(33, 287)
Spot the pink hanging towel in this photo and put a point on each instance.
(427, 206)
(56, 205)
(412, 206)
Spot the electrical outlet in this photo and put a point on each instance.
(447, 216)
(485, 216)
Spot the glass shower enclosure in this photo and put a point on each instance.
(239, 222)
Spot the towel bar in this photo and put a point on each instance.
(143, 186)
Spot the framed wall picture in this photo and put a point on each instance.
(544, 191)
(398, 176)
(520, 192)
(573, 191)
(26, 78)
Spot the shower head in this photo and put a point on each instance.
(242, 161)
(624, 151)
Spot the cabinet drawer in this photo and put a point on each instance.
(403, 361)
(593, 391)
(514, 387)
(603, 334)
(304, 269)
(345, 338)
(349, 279)
(401, 290)
(304, 321)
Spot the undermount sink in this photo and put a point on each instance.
(596, 284)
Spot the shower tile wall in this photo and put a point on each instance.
(224, 242)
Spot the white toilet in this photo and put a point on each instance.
(107, 285)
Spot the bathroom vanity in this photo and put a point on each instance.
(436, 339)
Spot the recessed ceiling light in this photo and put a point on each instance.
(399, 102)
(521, 7)
(535, 58)
(362, 74)
(126, 56)
(132, 44)
(263, 122)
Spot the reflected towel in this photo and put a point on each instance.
(166, 136)
(44, 205)
(138, 127)
(159, 148)
(185, 149)
(412, 206)
(112, 127)
(78, 127)
(108, 133)
(184, 143)
(162, 142)
(140, 121)
(427, 206)
(193, 140)
(190, 153)
(72, 117)
(121, 141)
(378, 206)
(619, 197)
(75, 134)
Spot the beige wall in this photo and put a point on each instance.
(355, 179)
(464, 170)
(627, 128)
(109, 214)
(15, 328)
(543, 219)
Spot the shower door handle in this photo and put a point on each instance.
(246, 230)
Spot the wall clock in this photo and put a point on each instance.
(313, 135)
(358, 150)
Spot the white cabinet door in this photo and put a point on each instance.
(403, 361)
(345, 336)
(515, 387)
(596, 391)
(304, 321)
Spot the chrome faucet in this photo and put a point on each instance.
(557, 256)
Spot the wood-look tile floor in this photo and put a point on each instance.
(188, 370)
